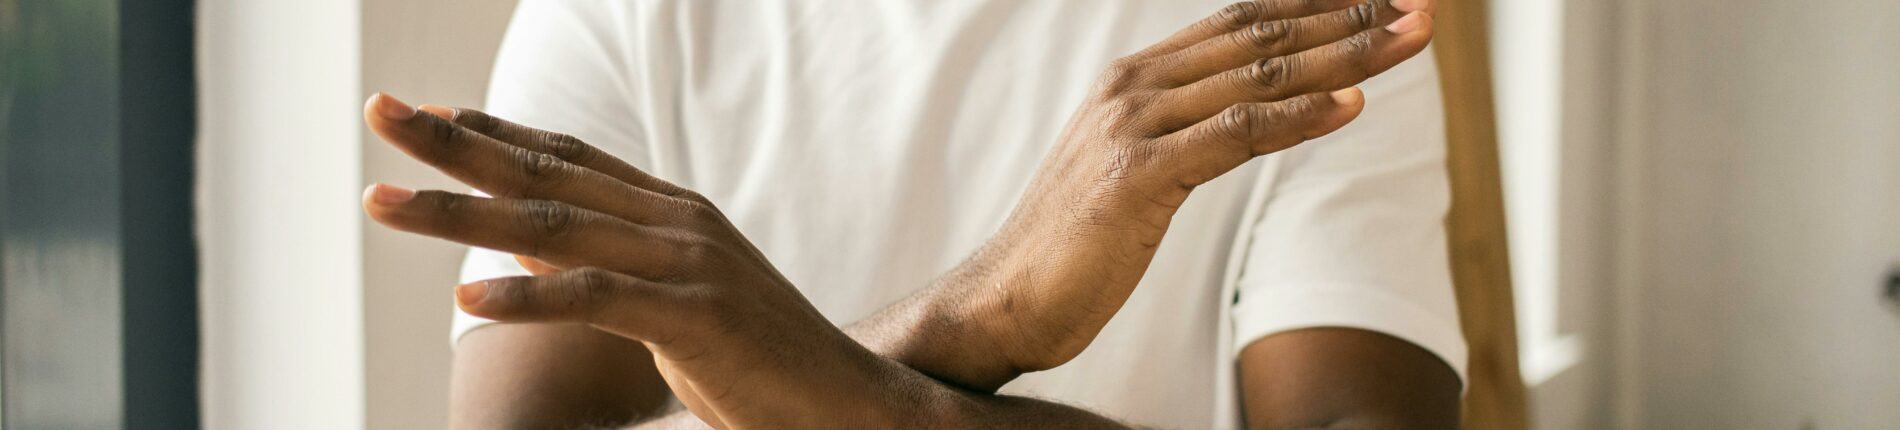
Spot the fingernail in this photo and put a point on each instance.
(447, 113)
(1405, 24)
(472, 293)
(392, 109)
(1347, 96)
(384, 194)
(1409, 5)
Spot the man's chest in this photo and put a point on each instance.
(887, 137)
(737, 98)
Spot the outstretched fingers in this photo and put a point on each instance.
(1235, 17)
(1274, 38)
(562, 146)
(506, 170)
(1249, 130)
(1334, 66)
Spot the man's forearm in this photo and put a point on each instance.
(550, 376)
(952, 409)
(1014, 412)
(1001, 412)
(939, 335)
(948, 356)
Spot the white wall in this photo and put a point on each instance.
(1728, 185)
(1772, 146)
(1551, 64)
(282, 260)
(315, 317)
(1726, 176)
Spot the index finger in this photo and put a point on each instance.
(566, 147)
(506, 170)
(1335, 66)
(1276, 38)
(1238, 16)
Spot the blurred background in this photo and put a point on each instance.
(1703, 204)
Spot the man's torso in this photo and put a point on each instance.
(868, 146)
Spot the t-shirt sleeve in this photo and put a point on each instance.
(562, 67)
(1352, 234)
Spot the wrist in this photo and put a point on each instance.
(940, 405)
(904, 397)
(1011, 312)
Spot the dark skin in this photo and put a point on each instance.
(657, 264)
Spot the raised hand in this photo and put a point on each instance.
(1255, 78)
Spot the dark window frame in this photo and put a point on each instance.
(98, 262)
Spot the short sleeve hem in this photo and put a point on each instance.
(1264, 311)
(465, 323)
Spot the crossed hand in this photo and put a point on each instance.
(633, 255)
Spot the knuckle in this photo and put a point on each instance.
(595, 280)
(695, 198)
(1268, 75)
(701, 251)
(696, 213)
(1358, 45)
(444, 203)
(1298, 106)
(1120, 75)
(438, 201)
(1363, 16)
(585, 290)
(1129, 73)
(1238, 15)
(548, 219)
(1269, 37)
(543, 170)
(476, 120)
(1123, 66)
(515, 290)
(567, 147)
(593, 285)
(1358, 50)
(444, 131)
(1241, 123)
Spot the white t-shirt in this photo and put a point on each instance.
(868, 146)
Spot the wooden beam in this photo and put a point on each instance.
(1475, 226)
